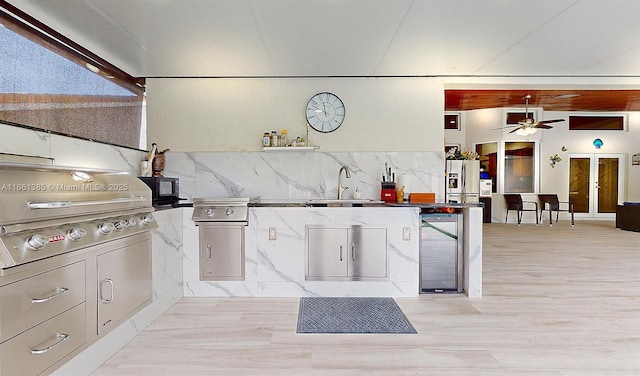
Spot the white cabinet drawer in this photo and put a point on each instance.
(40, 347)
(28, 302)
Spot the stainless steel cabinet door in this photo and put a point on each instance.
(368, 252)
(328, 253)
(124, 283)
(221, 253)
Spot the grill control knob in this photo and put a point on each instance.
(119, 225)
(37, 241)
(209, 212)
(147, 219)
(229, 211)
(77, 233)
(129, 223)
(105, 228)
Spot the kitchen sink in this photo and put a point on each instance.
(316, 202)
(323, 202)
(282, 203)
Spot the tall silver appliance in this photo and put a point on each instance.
(463, 181)
(441, 264)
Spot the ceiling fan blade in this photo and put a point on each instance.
(550, 121)
(516, 129)
(543, 126)
(505, 127)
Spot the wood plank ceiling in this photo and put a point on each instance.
(549, 100)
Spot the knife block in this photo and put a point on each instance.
(388, 195)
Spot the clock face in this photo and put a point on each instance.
(325, 112)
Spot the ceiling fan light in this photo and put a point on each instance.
(526, 131)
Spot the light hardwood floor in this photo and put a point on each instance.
(557, 301)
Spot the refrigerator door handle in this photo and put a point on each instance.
(463, 178)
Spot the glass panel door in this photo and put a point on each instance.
(595, 184)
(607, 184)
(579, 186)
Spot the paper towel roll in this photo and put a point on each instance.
(405, 180)
(145, 169)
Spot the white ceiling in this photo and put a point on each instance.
(166, 38)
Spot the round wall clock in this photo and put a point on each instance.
(325, 112)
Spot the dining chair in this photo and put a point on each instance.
(551, 203)
(515, 202)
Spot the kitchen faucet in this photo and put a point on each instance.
(341, 188)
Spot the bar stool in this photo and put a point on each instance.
(514, 202)
(550, 202)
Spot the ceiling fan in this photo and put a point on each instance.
(528, 125)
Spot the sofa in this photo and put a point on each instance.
(628, 216)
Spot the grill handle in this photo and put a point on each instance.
(70, 204)
(209, 252)
(110, 299)
(56, 293)
(60, 337)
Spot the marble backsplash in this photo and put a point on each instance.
(301, 175)
(68, 151)
(271, 175)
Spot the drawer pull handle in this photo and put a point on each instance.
(61, 337)
(209, 252)
(353, 252)
(340, 253)
(57, 292)
(102, 299)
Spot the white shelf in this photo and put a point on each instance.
(290, 148)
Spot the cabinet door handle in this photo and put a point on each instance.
(57, 292)
(209, 252)
(61, 337)
(340, 253)
(353, 252)
(110, 282)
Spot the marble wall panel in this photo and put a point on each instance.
(182, 166)
(75, 152)
(15, 140)
(69, 151)
(295, 175)
(166, 261)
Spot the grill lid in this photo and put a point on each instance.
(31, 193)
(50, 210)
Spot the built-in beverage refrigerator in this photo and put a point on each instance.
(463, 181)
(441, 251)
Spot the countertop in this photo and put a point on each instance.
(335, 203)
(439, 205)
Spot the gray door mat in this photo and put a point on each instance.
(352, 315)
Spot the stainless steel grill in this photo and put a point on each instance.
(222, 223)
(49, 210)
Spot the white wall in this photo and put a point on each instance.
(480, 127)
(209, 114)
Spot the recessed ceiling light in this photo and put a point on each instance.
(566, 96)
